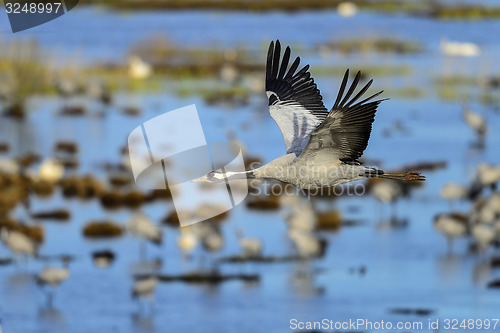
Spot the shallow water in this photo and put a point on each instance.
(405, 268)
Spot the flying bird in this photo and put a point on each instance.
(322, 147)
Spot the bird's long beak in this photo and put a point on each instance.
(201, 179)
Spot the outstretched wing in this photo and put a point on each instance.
(295, 103)
(344, 133)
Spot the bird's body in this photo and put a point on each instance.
(452, 192)
(210, 236)
(308, 245)
(289, 169)
(322, 147)
(9, 166)
(213, 242)
(53, 276)
(451, 226)
(187, 241)
(141, 226)
(251, 247)
(347, 9)
(103, 258)
(18, 243)
(144, 287)
(51, 170)
(487, 211)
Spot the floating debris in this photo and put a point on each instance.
(120, 180)
(495, 284)
(159, 195)
(64, 258)
(409, 311)
(4, 147)
(66, 146)
(70, 163)
(58, 215)
(132, 110)
(10, 196)
(102, 229)
(6, 261)
(141, 226)
(269, 202)
(172, 218)
(210, 278)
(43, 188)
(237, 259)
(15, 111)
(252, 162)
(85, 187)
(73, 111)
(331, 220)
(378, 45)
(115, 199)
(28, 159)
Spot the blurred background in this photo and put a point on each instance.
(84, 250)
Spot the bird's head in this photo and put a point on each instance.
(211, 177)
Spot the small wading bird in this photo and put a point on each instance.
(144, 288)
(52, 277)
(322, 147)
(18, 243)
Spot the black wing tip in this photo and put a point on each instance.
(342, 101)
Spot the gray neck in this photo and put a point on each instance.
(239, 175)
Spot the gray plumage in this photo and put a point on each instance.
(322, 147)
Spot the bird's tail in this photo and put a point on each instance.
(409, 176)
